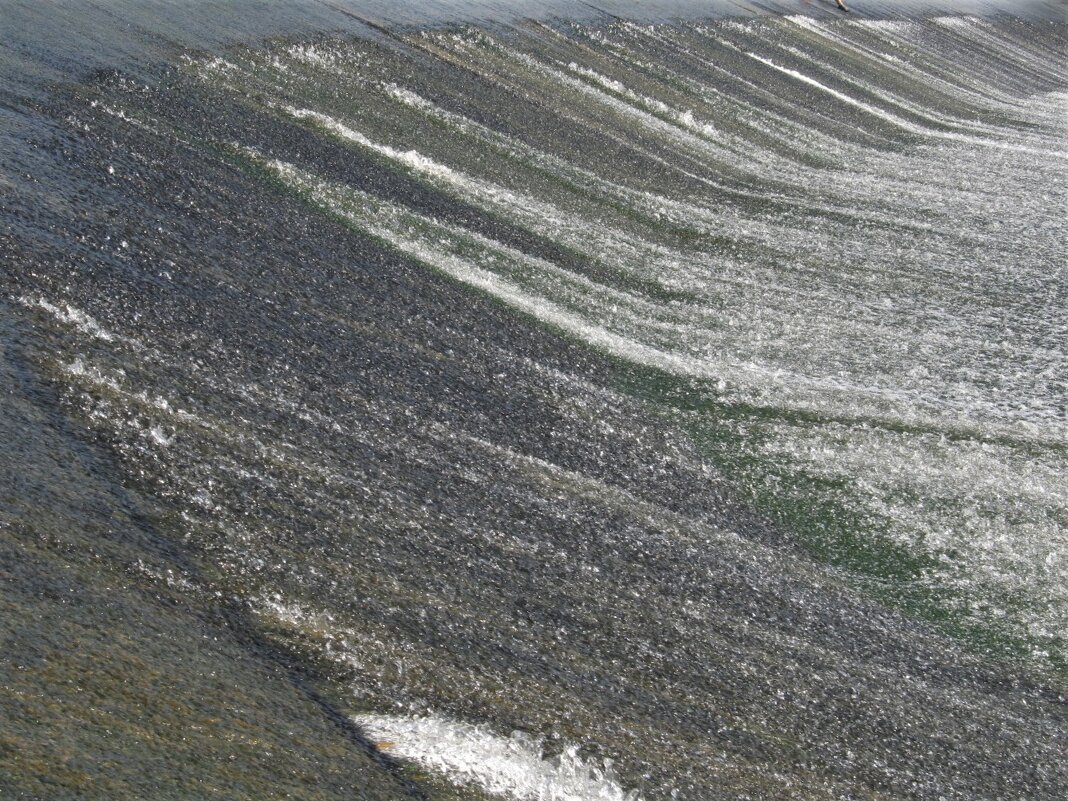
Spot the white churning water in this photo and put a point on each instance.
(659, 387)
(512, 767)
(909, 298)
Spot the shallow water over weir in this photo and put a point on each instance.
(536, 409)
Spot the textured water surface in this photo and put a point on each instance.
(571, 408)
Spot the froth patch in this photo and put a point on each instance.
(510, 767)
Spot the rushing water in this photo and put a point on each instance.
(580, 407)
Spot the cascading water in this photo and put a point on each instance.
(569, 407)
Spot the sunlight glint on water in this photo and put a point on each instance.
(863, 325)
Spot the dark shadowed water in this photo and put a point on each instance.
(571, 402)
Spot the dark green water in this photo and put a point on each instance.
(573, 408)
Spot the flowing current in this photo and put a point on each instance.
(574, 407)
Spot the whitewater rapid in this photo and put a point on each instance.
(559, 407)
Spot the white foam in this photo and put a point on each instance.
(878, 112)
(510, 767)
(905, 124)
(873, 317)
(69, 315)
